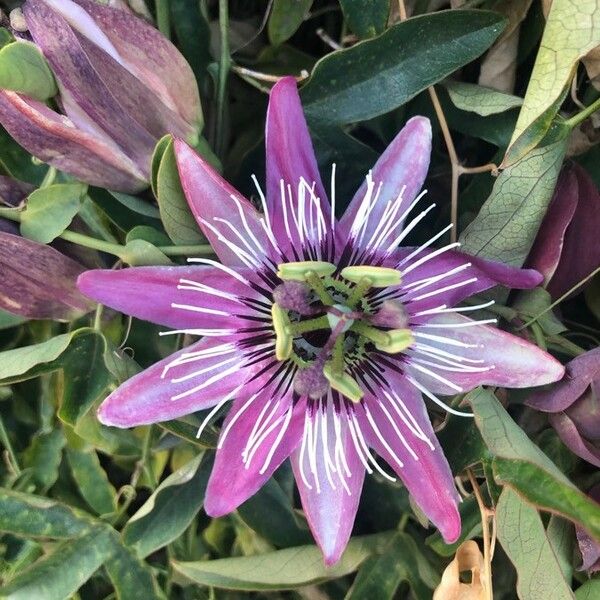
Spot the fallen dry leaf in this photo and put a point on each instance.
(468, 558)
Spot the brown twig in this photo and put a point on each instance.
(486, 513)
(457, 168)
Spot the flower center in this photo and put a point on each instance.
(324, 323)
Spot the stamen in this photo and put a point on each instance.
(283, 339)
(399, 340)
(343, 383)
(379, 277)
(300, 271)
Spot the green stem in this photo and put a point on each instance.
(224, 66)
(9, 449)
(565, 295)
(163, 18)
(117, 249)
(583, 115)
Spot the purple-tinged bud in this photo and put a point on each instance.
(574, 406)
(123, 86)
(392, 314)
(566, 248)
(293, 295)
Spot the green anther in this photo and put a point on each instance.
(377, 336)
(380, 277)
(283, 340)
(300, 327)
(337, 356)
(316, 283)
(359, 290)
(343, 383)
(400, 339)
(299, 271)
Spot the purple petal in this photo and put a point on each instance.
(401, 169)
(571, 436)
(459, 351)
(330, 488)
(290, 157)
(192, 379)
(547, 248)
(579, 373)
(145, 52)
(581, 250)
(85, 93)
(217, 213)
(588, 546)
(234, 480)
(459, 276)
(13, 191)
(37, 281)
(397, 426)
(54, 139)
(149, 293)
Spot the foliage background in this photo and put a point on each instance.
(92, 512)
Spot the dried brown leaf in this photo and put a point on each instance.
(468, 558)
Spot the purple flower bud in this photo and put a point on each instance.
(122, 87)
(566, 248)
(574, 406)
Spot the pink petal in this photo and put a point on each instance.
(149, 293)
(481, 275)
(581, 250)
(290, 157)
(403, 166)
(331, 504)
(579, 374)
(232, 481)
(417, 459)
(54, 139)
(492, 357)
(38, 282)
(157, 394)
(548, 245)
(211, 202)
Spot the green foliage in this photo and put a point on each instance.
(95, 512)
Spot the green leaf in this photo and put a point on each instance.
(520, 464)
(269, 513)
(149, 234)
(481, 100)
(380, 576)
(281, 570)
(85, 375)
(50, 210)
(522, 535)
(23, 69)
(18, 362)
(366, 18)
(140, 253)
(397, 64)
(590, 590)
(63, 572)
(541, 488)
(131, 577)
(169, 510)
(286, 17)
(506, 226)
(92, 481)
(17, 162)
(572, 30)
(43, 458)
(38, 517)
(531, 303)
(7, 320)
(175, 213)
(504, 438)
